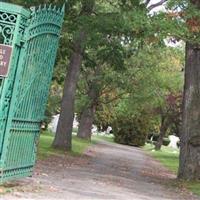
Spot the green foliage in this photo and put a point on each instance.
(104, 115)
(131, 130)
(147, 83)
(125, 42)
(166, 141)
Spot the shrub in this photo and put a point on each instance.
(166, 141)
(130, 131)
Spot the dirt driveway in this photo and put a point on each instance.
(106, 171)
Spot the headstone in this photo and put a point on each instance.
(94, 129)
(54, 123)
(173, 141)
(109, 129)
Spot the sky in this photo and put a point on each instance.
(158, 8)
(167, 41)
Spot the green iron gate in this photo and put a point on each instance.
(28, 45)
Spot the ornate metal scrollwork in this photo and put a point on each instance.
(6, 32)
(7, 27)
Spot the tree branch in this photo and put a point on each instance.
(147, 2)
(160, 3)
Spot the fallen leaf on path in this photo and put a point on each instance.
(2, 190)
(43, 174)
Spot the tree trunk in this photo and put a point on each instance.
(189, 166)
(163, 129)
(189, 163)
(87, 116)
(63, 135)
(63, 138)
(86, 121)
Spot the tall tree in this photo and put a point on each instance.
(65, 123)
(112, 46)
(189, 167)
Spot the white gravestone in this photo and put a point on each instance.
(173, 141)
(54, 123)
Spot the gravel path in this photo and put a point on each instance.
(106, 171)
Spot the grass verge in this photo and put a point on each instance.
(45, 149)
(108, 138)
(167, 156)
(170, 159)
(193, 186)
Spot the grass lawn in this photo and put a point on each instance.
(170, 159)
(108, 138)
(45, 149)
(78, 145)
(167, 156)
